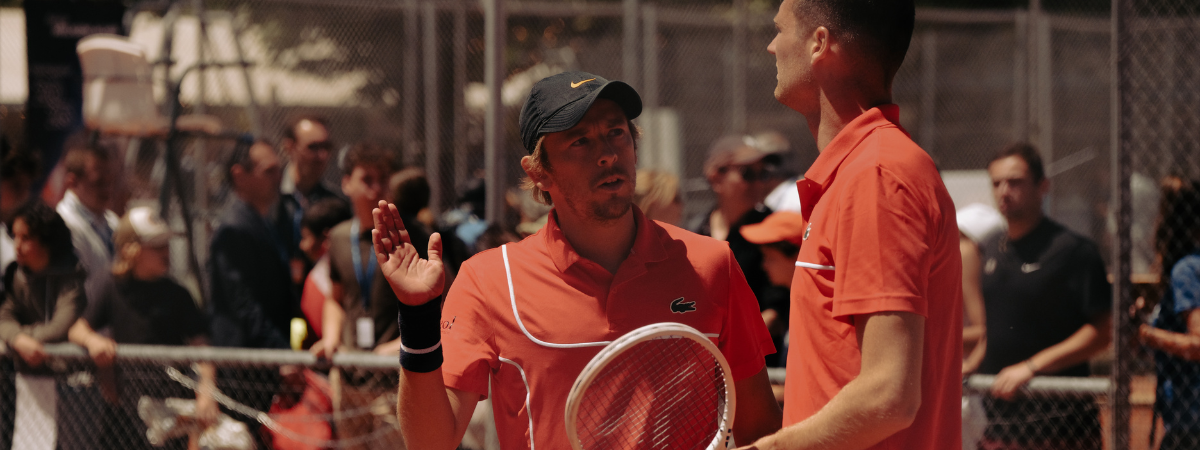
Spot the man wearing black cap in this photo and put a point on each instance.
(524, 319)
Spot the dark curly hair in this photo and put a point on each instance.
(1178, 221)
(48, 228)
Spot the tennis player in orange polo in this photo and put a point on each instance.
(524, 319)
(875, 350)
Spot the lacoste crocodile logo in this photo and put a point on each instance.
(678, 306)
(575, 85)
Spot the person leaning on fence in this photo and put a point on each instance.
(1047, 300)
(251, 302)
(359, 313)
(876, 299)
(47, 295)
(1175, 332)
(146, 307)
(597, 261)
(318, 220)
(976, 223)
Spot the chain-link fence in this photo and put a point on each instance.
(157, 397)
(1157, 166)
(410, 75)
(1118, 131)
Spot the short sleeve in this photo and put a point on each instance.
(882, 247)
(1185, 284)
(192, 321)
(98, 309)
(468, 346)
(335, 272)
(1093, 282)
(744, 339)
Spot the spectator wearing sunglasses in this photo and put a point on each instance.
(307, 147)
(740, 174)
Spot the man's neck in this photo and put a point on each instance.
(839, 109)
(604, 243)
(302, 185)
(1020, 227)
(261, 209)
(365, 220)
(98, 212)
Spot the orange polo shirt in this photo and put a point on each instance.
(881, 236)
(533, 341)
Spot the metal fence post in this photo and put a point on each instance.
(629, 42)
(737, 72)
(929, 78)
(1021, 76)
(462, 169)
(1121, 139)
(412, 34)
(493, 76)
(433, 133)
(650, 56)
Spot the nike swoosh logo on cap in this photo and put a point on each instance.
(575, 85)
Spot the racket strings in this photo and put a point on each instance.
(661, 393)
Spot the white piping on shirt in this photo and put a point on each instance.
(512, 298)
(528, 393)
(813, 266)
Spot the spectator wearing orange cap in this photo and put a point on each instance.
(778, 236)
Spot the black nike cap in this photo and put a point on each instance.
(558, 102)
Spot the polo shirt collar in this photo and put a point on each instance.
(647, 243)
(820, 175)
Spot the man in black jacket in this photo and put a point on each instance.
(252, 302)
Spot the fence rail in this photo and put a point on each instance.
(250, 391)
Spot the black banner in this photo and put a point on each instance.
(55, 105)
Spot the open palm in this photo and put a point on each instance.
(414, 280)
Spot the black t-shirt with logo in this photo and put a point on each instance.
(1038, 291)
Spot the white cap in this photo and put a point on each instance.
(149, 228)
(979, 221)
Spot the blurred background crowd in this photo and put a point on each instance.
(203, 173)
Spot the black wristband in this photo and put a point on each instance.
(421, 336)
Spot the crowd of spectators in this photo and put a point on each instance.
(291, 245)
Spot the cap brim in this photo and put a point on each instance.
(570, 115)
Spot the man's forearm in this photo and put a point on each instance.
(429, 413)
(1186, 346)
(856, 418)
(332, 317)
(883, 399)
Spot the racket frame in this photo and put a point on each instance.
(664, 330)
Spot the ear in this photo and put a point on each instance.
(1044, 187)
(345, 183)
(819, 44)
(236, 172)
(69, 180)
(537, 174)
(288, 145)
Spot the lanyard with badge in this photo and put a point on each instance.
(365, 326)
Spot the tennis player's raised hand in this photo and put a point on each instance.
(414, 280)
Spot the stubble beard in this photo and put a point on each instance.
(613, 208)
